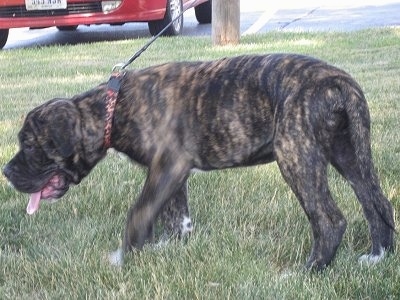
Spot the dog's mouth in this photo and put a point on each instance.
(56, 187)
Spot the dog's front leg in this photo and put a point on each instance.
(166, 176)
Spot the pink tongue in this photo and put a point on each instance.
(34, 202)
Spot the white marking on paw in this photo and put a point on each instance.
(287, 274)
(186, 226)
(163, 242)
(195, 170)
(371, 259)
(116, 258)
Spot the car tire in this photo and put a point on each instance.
(203, 12)
(67, 28)
(3, 37)
(174, 8)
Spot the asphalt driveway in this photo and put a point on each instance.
(329, 15)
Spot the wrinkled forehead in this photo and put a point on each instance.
(26, 134)
(34, 118)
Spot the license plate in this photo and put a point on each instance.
(45, 4)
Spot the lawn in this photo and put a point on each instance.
(251, 237)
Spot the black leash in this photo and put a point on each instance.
(122, 66)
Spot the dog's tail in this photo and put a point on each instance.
(358, 118)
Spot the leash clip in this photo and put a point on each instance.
(114, 82)
(118, 68)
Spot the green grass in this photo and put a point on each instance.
(251, 237)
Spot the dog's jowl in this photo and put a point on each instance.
(295, 110)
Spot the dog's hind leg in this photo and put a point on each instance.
(377, 209)
(175, 214)
(304, 167)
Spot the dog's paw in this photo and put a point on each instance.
(163, 241)
(186, 226)
(372, 259)
(116, 258)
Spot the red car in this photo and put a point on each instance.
(69, 14)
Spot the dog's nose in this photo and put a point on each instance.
(6, 171)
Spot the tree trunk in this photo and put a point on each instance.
(225, 22)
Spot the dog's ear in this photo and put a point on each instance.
(61, 133)
(62, 123)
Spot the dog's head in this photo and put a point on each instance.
(48, 160)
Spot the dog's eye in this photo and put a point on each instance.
(28, 147)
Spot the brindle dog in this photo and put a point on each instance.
(241, 111)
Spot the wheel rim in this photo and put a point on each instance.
(175, 9)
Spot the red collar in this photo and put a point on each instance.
(113, 87)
